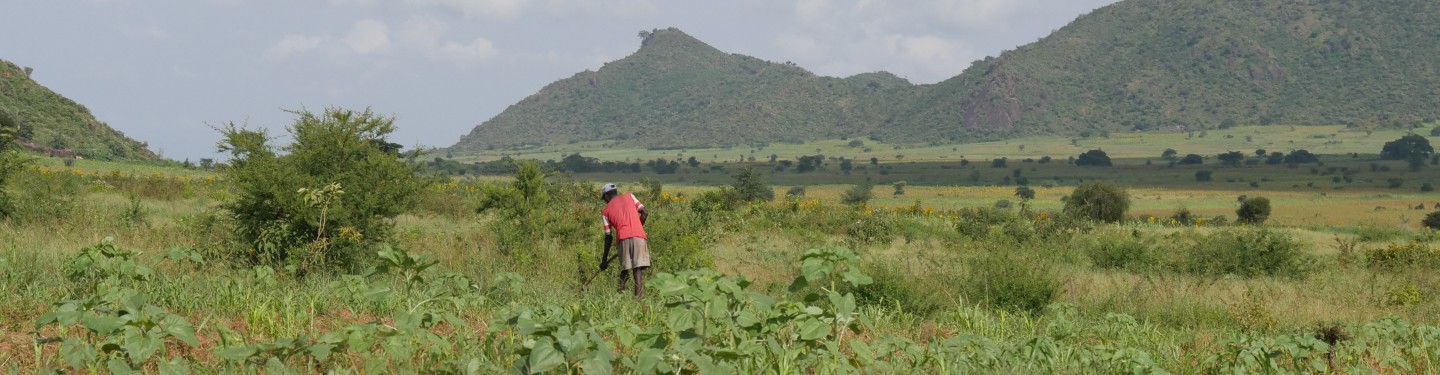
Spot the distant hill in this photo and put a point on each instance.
(679, 91)
(1197, 64)
(54, 124)
(1137, 65)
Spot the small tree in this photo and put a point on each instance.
(1101, 201)
(1403, 148)
(1254, 210)
(751, 187)
(1025, 193)
(1204, 176)
(1432, 220)
(858, 195)
(1192, 159)
(280, 223)
(998, 163)
(900, 187)
(1096, 158)
(1169, 154)
(1232, 158)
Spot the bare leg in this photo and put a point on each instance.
(640, 282)
(624, 275)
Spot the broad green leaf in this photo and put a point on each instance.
(118, 366)
(543, 356)
(182, 331)
(238, 353)
(596, 366)
(103, 325)
(321, 351)
(813, 329)
(77, 353)
(177, 366)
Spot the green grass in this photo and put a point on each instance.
(1181, 321)
(1327, 139)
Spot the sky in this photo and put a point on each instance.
(165, 71)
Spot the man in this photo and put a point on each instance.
(624, 219)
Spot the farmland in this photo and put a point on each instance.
(935, 280)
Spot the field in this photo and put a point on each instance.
(941, 279)
(1328, 139)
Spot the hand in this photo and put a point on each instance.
(604, 264)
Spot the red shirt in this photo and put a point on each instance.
(623, 215)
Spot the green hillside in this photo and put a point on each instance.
(53, 123)
(677, 91)
(1137, 65)
(1191, 64)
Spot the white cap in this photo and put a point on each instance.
(608, 188)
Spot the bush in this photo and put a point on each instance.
(858, 195)
(1254, 210)
(1395, 256)
(1125, 252)
(1246, 253)
(328, 200)
(9, 160)
(1204, 176)
(896, 288)
(1012, 284)
(1432, 220)
(1098, 201)
(1407, 146)
(751, 187)
(1096, 158)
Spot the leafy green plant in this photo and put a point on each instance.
(1009, 282)
(334, 148)
(1254, 210)
(1098, 201)
(1246, 253)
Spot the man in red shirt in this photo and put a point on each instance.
(624, 219)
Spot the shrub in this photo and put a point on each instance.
(751, 187)
(1204, 176)
(356, 179)
(796, 191)
(1397, 256)
(1182, 216)
(1099, 201)
(1013, 284)
(858, 195)
(895, 288)
(9, 160)
(1432, 220)
(1407, 146)
(1246, 253)
(1096, 158)
(1254, 210)
(1125, 252)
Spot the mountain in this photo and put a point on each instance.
(1193, 64)
(1136, 65)
(51, 123)
(678, 91)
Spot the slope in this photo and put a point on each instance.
(676, 91)
(1192, 64)
(53, 123)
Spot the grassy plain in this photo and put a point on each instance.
(926, 263)
(1325, 139)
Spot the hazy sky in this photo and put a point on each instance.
(162, 71)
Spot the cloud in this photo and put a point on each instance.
(613, 8)
(475, 8)
(976, 13)
(368, 36)
(427, 35)
(479, 49)
(799, 46)
(293, 44)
